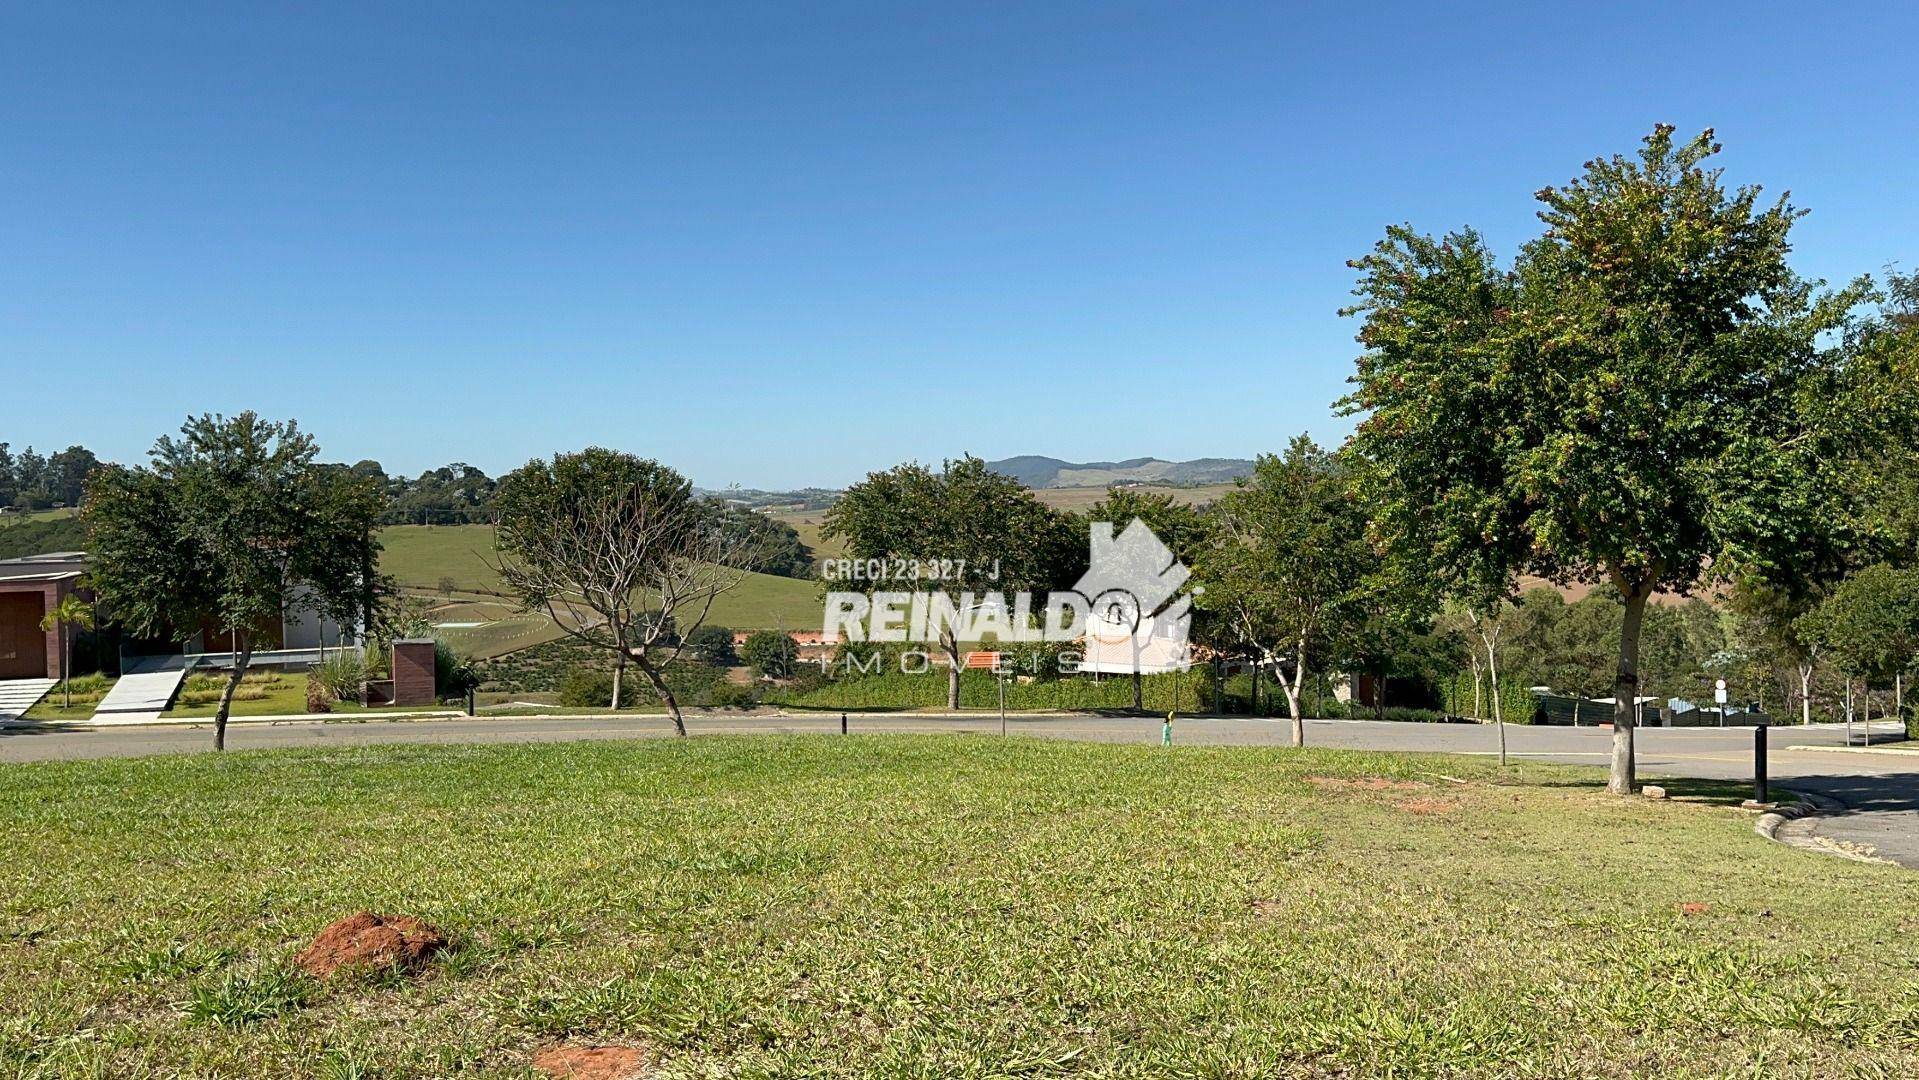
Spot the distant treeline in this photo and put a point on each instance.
(32, 481)
(455, 494)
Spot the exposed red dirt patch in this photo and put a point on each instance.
(366, 940)
(1366, 783)
(1430, 806)
(1266, 909)
(1693, 907)
(592, 1062)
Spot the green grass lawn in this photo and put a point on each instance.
(422, 558)
(933, 906)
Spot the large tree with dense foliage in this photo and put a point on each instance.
(1649, 392)
(618, 552)
(986, 531)
(1870, 623)
(1287, 551)
(227, 526)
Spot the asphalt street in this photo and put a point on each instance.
(1880, 791)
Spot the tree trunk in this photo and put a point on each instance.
(1292, 693)
(1499, 713)
(1139, 693)
(619, 675)
(666, 695)
(1479, 701)
(241, 658)
(1624, 780)
(66, 668)
(952, 671)
(1805, 693)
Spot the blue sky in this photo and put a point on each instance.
(786, 244)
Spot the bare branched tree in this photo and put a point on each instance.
(616, 550)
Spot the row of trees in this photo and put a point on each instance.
(234, 521)
(1647, 399)
(33, 481)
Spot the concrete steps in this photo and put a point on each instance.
(18, 695)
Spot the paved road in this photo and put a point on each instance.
(1882, 791)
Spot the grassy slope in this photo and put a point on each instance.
(31, 516)
(419, 557)
(937, 906)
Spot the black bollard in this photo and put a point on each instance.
(1759, 762)
(842, 723)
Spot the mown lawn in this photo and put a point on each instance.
(933, 906)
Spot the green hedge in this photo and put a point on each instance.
(692, 685)
(1517, 702)
(1188, 692)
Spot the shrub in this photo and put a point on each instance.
(730, 695)
(1187, 692)
(206, 689)
(82, 689)
(1517, 704)
(772, 652)
(319, 698)
(454, 674)
(1407, 715)
(711, 645)
(339, 676)
(592, 688)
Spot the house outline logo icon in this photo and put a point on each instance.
(1138, 618)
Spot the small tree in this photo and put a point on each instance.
(1286, 551)
(228, 526)
(1870, 624)
(1645, 396)
(772, 652)
(712, 644)
(618, 553)
(69, 613)
(988, 530)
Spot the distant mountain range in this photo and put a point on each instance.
(1045, 472)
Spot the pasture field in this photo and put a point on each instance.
(27, 517)
(954, 906)
(423, 557)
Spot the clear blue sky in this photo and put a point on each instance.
(786, 244)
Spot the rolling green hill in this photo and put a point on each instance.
(423, 558)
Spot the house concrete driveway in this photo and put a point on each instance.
(1880, 791)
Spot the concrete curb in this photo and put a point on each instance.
(283, 718)
(1791, 825)
(1890, 751)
